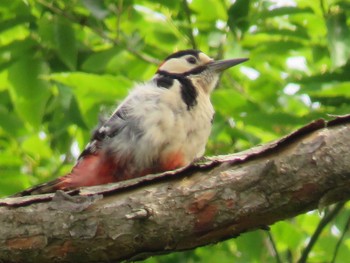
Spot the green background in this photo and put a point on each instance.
(64, 63)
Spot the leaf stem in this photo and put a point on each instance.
(190, 29)
(336, 249)
(322, 224)
(273, 246)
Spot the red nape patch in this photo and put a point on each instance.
(92, 170)
(173, 161)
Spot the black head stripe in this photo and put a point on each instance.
(164, 81)
(196, 71)
(188, 91)
(184, 53)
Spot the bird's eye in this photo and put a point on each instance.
(191, 60)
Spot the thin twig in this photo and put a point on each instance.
(100, 33)
(322, 224)
(323, 8)
(57, 171)
(336, 249)
(57, 11)
(119, 15)
(221, 51)
(273, 246)
(190, 29)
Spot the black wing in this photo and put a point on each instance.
(116, 122)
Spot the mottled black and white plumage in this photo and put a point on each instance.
(162, 124)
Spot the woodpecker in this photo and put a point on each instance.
(163, 124)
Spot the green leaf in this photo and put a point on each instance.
(238, 15)
(14, 8)
(15, 50)
(91, 89)
(279, 47)
(70, 106)
(29, 92)
(298, 32)
(334, 90)
(94, 86)
(97, 62)
(36, 147)
(65, 42)
(269, 121)
(338, 37)
(12, 181)
(9, 122)
(208, 10)
(227, 101)
(10, 23)
(289, 236)
(244, 246)
(316, 81)
(287, 10)
(217, 253)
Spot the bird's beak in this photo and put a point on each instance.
(221, 65)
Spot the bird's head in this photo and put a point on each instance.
(196, 66)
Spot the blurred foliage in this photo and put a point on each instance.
(65, 62)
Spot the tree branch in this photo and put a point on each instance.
(179, 210)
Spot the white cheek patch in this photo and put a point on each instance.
(181, 65)
(175, 65)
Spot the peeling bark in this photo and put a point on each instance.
(201, 204)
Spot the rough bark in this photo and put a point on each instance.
(202, 204)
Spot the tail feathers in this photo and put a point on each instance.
(89, 171)
(45, 188)
(99, 168)
(92, 170)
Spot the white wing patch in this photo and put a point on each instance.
(104, 129)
